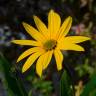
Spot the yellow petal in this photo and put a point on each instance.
(65, 27)
(43, 62)
(30, 61)
(39, 66)
(69, 46)
(33, 32)
(59, 58)
(75, 39)
(41, 26)
(26, 42)
(29, 52)
(54, 22)
(46, 58)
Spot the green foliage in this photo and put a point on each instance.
(12, 81)
(82, 69)
(65, 85)
(90, 87)
(44, 87)
(41, 86)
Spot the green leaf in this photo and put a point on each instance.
(90, 87)
(12, 81)
(65, 85)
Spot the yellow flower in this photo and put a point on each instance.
(48, 41)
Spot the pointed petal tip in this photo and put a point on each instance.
(39, 74)
(13, 41)
(23, 70)
(24, 24)
(51, 11)
(69, 18)
(34, 16)
(88, 38)
(59, 69)
(17, 60)
(83, 50)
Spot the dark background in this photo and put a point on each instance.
(83, 12)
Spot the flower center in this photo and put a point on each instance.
(50, 44)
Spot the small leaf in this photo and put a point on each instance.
(65, 85)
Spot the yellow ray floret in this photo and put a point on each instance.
(31, 60)
(41, 27)
(39, 66)
(33, 32)
(74, 39)
(29, 52)
(27, 42)
(59, 58)
(54, 22)
(69, 46)
(43, 62)
(47, 59)
(64, 29)
(48, 41)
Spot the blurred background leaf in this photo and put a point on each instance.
(90, 87)
(66, 85)
(12, 81)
